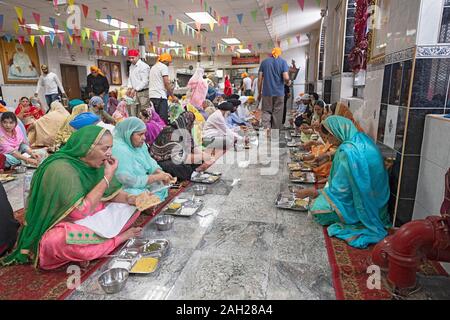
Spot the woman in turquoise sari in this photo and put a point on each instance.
(354, 202)
(137, 171)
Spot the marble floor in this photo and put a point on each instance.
(245, 249)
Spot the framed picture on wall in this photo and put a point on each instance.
(105, 66)
(116, 73)
(378, 29)
(339, 28)
(20, 62)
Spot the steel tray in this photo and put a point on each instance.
(307, 177)
(287, 201)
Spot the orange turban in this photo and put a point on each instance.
(165, 57)
(244, 75)
(97, 69)
(276, 52)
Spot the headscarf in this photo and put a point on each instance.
(165, 57)
(125, 129)
(84, 119)
(358, 186)
(59, 185)
(161, 150)
(121, 112)
(66, 130)
(75, 102)
(45, 130)
(9, 143)
(98, 70)
(154, 126)
(228, 91)
(95, 101)
(343, 111)
(276, 52)
(112, 105)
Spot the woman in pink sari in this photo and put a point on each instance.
(75, 183)
(154, 124)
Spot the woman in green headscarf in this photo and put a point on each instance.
(354, 202)
(137, 171)
(71, 185)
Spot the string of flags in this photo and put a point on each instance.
(95, 40)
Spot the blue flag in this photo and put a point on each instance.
(240, 16)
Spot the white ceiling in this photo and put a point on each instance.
(279, 27)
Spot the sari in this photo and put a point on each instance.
(343, 111)
(354, 203)
(8, 225)
(154, 126)
(121, 112)
(59, 185)
(135, 164)
(30, 116)
(66, 130)
(11, 143)
(44, 131)
(198, 124)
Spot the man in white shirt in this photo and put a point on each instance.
(51, 83)
(246, 85)
(138, 82)
(160, 87)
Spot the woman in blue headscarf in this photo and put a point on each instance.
(137, 171)
(354, 203)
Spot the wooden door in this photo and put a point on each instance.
(70, 81)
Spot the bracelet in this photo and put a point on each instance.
(106, 180)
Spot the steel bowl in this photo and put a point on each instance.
(113, 280)
(164, 222)
(200, 190)
(21, 169)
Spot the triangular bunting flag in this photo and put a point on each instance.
(42, 38)
(240, 16)
(88, 32)
(136, 2)
(158, 32)
(171, 28)
(150, 35)
(211, 25)
(115, 52)
(254, 13)
(83, 34)
(85, 9)
(109, 18)
(298, 38)
(32, 40)
(19, 12)
(8, 37)
(37, 18)
(269, 11)
(52, 22)
(61, 37)
(225, 21)
(71, 40)
(146, 5)
(105, 36)
(301, 3)
(155, 8)
(52, 37)
(285, 8)
(163, 13)
(1, 22)
(98, 14)
(71, 2)
(21, 39)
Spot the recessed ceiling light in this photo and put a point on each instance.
(231, 41)
(171, 44)
(201, 17)
(195, 53)
(243, 51)
(43, 28)
(116, 23)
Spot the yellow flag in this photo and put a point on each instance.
(136, 2)
(289, 41)
(211, 25)
(19, 12)
(32, 41)
(71, 2)
(16, 26)
(88, 32)
(285, 7)
(70, 40)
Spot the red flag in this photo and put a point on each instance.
(21, 39)
(146, 7)
(269, 11)
(37, 18)
(301, 3)
(85, 10)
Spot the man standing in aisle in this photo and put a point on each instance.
(246, 87)
(160, 87)
(273, 75)
(51, 83)
(138, 82)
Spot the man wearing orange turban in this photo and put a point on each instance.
(160, 88)
(98, 85)
(246, 86)
(273, 76)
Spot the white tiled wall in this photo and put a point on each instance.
(434, 164)
(429, 22)
(336, 88)
(368, 117)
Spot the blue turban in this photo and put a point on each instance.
(84, 119)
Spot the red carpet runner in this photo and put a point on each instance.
(349, 271)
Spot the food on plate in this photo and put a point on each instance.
(145, 265)
(146, 200)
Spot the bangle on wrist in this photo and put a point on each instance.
(106, 180)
